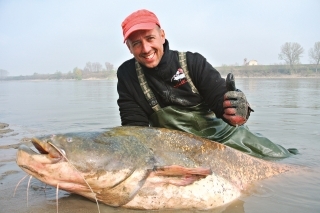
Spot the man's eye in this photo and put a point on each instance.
(134, 44)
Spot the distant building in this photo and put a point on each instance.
(250, 63)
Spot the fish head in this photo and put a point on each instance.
(88, 164)
(49, 163)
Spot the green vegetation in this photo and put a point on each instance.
(290, 53)
(314, 54)
(263, 71)
(91, 71)
(267, 71)
(77, 74)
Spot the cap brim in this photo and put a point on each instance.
(141, 26)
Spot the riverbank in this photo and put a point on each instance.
(258, 71)
(223, 75)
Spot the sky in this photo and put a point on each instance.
(44, 37)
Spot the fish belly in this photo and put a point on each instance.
(210, 192)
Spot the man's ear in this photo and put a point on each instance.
(128, 45)
(163, 36)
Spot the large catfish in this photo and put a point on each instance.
(144, 168)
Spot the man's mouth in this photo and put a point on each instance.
(150, 56)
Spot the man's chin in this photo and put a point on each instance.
(150, 64)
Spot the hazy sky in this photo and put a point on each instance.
(59, 35)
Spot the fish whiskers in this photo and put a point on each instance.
(57, 186)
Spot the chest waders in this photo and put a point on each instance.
(199, 121)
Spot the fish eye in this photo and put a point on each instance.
(69, 140)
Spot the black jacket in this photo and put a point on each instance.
(135, 109)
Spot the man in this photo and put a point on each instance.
(165, 88)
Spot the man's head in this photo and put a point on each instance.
(144, 37)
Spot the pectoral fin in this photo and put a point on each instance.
(179, 175)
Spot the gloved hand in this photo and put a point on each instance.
(236, 108)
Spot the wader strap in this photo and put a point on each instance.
(146, 89)
(148, 92)
(183, 63)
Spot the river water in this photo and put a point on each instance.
(286, 110)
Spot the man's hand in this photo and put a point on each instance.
(236, 108)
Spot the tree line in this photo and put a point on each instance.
(291, 53)
(93, 70)
(3, 73)
(269, 71)
(90, 70)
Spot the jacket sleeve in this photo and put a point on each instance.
(131, 112)
(208, 81)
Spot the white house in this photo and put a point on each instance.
(250, 63)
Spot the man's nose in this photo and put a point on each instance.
(145, 47)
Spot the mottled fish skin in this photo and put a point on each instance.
(145, 168)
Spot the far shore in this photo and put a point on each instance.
(223, 76)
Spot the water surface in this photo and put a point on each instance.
(286, 110)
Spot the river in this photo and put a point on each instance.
(287, 111)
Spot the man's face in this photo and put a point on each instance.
(147, 46)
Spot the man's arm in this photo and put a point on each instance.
(131, 113)
(231, 106)
(208, 81)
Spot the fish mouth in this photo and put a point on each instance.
(48, 153)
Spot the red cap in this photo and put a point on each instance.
(139, 20)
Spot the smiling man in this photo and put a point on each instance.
(164, 88)
(147, 46)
